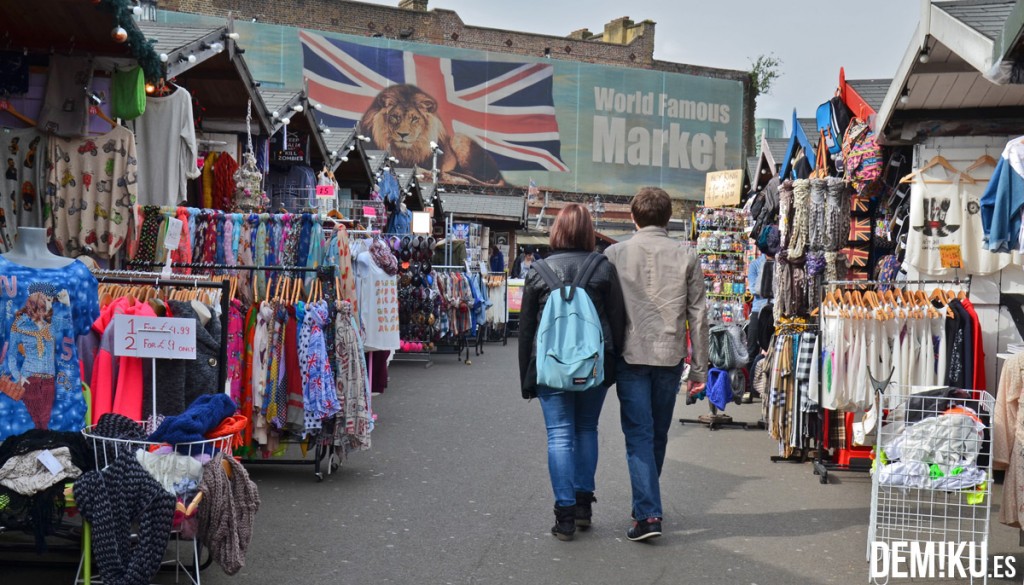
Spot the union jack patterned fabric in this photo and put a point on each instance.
(505, 107)
(855, 257)
(860, 230)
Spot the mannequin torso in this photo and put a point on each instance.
(30, 250)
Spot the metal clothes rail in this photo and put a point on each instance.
(822, 462)
(182, 281)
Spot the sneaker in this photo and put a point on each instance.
(644, 529)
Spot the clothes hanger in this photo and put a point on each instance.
(7, 106)
(983, 160)
(937, 161)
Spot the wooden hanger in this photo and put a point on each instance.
(937, 161)
(983, 161)
(7, 106)
(96, 111)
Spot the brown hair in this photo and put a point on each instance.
(573, 229)
(651, 206)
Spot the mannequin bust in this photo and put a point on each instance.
(30, 250)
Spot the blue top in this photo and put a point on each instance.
(42, 312)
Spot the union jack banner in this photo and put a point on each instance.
(860, 230)
(855, 257)
(507, 108)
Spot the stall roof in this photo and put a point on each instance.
(179, 42)
(953, 92)
(493, 207)
(72, 26)
(872, 90)
(279, 100)
(219, 79)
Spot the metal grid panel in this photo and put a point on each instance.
(933, 484)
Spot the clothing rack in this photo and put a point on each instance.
(180, 281)
(326, 275)
(822, 463)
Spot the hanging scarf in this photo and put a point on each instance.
(801, 214)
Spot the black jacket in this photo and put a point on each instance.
(604, 291)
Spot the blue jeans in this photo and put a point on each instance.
(647, 397)
(571, 419)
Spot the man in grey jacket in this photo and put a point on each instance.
(663, 288)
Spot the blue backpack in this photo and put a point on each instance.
(833, 117)
(570, 340)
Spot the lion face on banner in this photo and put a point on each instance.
(403, 121)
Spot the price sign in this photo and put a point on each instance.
(723, 188)
(949, 254)
(154, 337)
(369, 211)
(173, 238)
(325, 190)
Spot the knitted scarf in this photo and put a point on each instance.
(112, 500)
(204, 414)
(227, 512)
(801, 213)
(837, 215)
(785, 210)
(816, 221)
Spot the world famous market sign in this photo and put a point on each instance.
(505, 119)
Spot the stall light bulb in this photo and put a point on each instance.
(137, 10)
(191, 58)
(297, 108)
(318, 107)
(234, 36)
(217, 47)
(150, 88)
(344, 159)
(275, 114)
(163, 57)
(327, 130)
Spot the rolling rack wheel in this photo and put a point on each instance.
(318, 458)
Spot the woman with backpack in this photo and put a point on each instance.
(571, 412)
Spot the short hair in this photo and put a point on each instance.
(651, 206)
(573, 229)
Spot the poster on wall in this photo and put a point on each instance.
(460, 231)
(503, 119)
(290, 148)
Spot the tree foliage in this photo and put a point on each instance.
(763, 72)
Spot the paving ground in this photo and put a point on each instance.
(455, 490)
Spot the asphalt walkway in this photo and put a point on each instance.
(455, 490)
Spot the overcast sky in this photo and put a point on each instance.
(814, 38)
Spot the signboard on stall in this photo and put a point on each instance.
(723, 188)
(290, 147)
(154, 337)
(515, 295)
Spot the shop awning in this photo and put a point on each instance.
(532, 239)
(506, 208)
(951, 92)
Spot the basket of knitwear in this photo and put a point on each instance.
(149, 483)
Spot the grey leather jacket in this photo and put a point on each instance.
(663, 286)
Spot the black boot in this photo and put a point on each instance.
(583, 509)
(565, 522)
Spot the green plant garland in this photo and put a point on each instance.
(141, 47)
